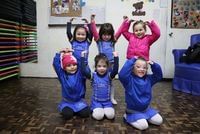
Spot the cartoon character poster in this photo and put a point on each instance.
(69, 8)
(185, 14)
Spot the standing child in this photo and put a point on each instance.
(105, 42)
(101, 85)
(139, 41)
(72, 84)
(138, 87)
(80, 40)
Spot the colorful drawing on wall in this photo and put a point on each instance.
(69, 8)
(138, 9)
(185, 14)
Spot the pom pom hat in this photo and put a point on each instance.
(67, 60)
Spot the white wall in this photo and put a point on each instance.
(52, 39)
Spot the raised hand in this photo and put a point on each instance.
(85, 20)
(125, 17)
(72, 19)
(131, 20)
(150, 62)
(115, 54)
(92, 17)
(67, 51)
(146, 22)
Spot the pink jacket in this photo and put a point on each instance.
(140, 46)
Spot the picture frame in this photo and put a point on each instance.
(68, 8)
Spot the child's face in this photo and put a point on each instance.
(101, 67)
(106, 37)
(80, 34)
(71, 68)
(140, 68)
(139, 30)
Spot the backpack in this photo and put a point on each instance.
(192, 54)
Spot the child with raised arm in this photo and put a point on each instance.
(139, 41)
(101, 78)
(72, 84)
(106, 39)
(80, 40)
(138, 92)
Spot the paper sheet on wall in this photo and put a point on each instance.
(86, 13)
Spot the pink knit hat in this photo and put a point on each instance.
(68, 59)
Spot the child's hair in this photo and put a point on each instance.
(140, 58)
(107, 29)
(99, 57)
(80, 26)
(140, 22)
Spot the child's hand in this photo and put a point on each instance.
(67, 51)
(146, 23)
(150, 62)
(72, 19)
(125, 17)
(92, 17)
(115, 54)
(85, 20)
(131, 20)
(83, 53)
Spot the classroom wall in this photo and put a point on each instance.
(52, 39)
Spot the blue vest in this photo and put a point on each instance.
(107, 48)
(101, 87)
(78, 47)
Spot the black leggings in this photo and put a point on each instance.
(68, 113)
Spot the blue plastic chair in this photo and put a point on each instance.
(186, 76)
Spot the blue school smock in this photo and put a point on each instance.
(72, 86)
(138, 91)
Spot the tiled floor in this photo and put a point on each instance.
(28, 105)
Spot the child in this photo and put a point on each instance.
(101, 85)
(139, 41)
(105, 43)
(72, 83)
(138, 87)
(80, 40)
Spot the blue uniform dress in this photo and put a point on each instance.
(101, 86)
(138, 91)
(78, 46)
(72, 87)
(107, 48)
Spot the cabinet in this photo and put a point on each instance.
(18, 36)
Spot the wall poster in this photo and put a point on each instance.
(66, 8)
(61, 11)
(185, 14)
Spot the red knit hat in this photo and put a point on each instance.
(68, 59)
